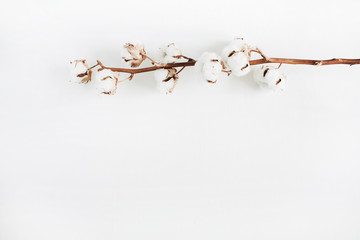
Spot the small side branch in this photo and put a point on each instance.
(93, 66)
(180, 70)
(257, 50)
(128, 78)
(152, 61)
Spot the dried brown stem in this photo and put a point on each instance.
(192, 62)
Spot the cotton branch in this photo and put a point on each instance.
(235, 60)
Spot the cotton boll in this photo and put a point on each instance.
(133, 54)
(237, 57)
(80, 72)
(270, 77)
(211, 71)
(259, 76)
(239, 64)
(160, 75)
(107, 81)
(169, 54)
(210, 65)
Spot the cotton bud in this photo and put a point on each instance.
(270, 77)
(237, 57)
(107, 81)
(133, 54)
(169, 54)
(80, 72)
(210, 65)
(166, 80)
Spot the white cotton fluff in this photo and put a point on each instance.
(236, 56)
(78, 67)
(270, 77)
(163, 87)
(107, 81)
(169, 54)
(209, 64)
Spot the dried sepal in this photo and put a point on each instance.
(171, 74)
(87, 77)
(135, 54)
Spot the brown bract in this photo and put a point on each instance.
(171, 74)
(88, 76)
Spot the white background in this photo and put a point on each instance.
(229, 161)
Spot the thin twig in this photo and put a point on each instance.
(180, 70)
(93, 66)
(257, 50)
(152, 61)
